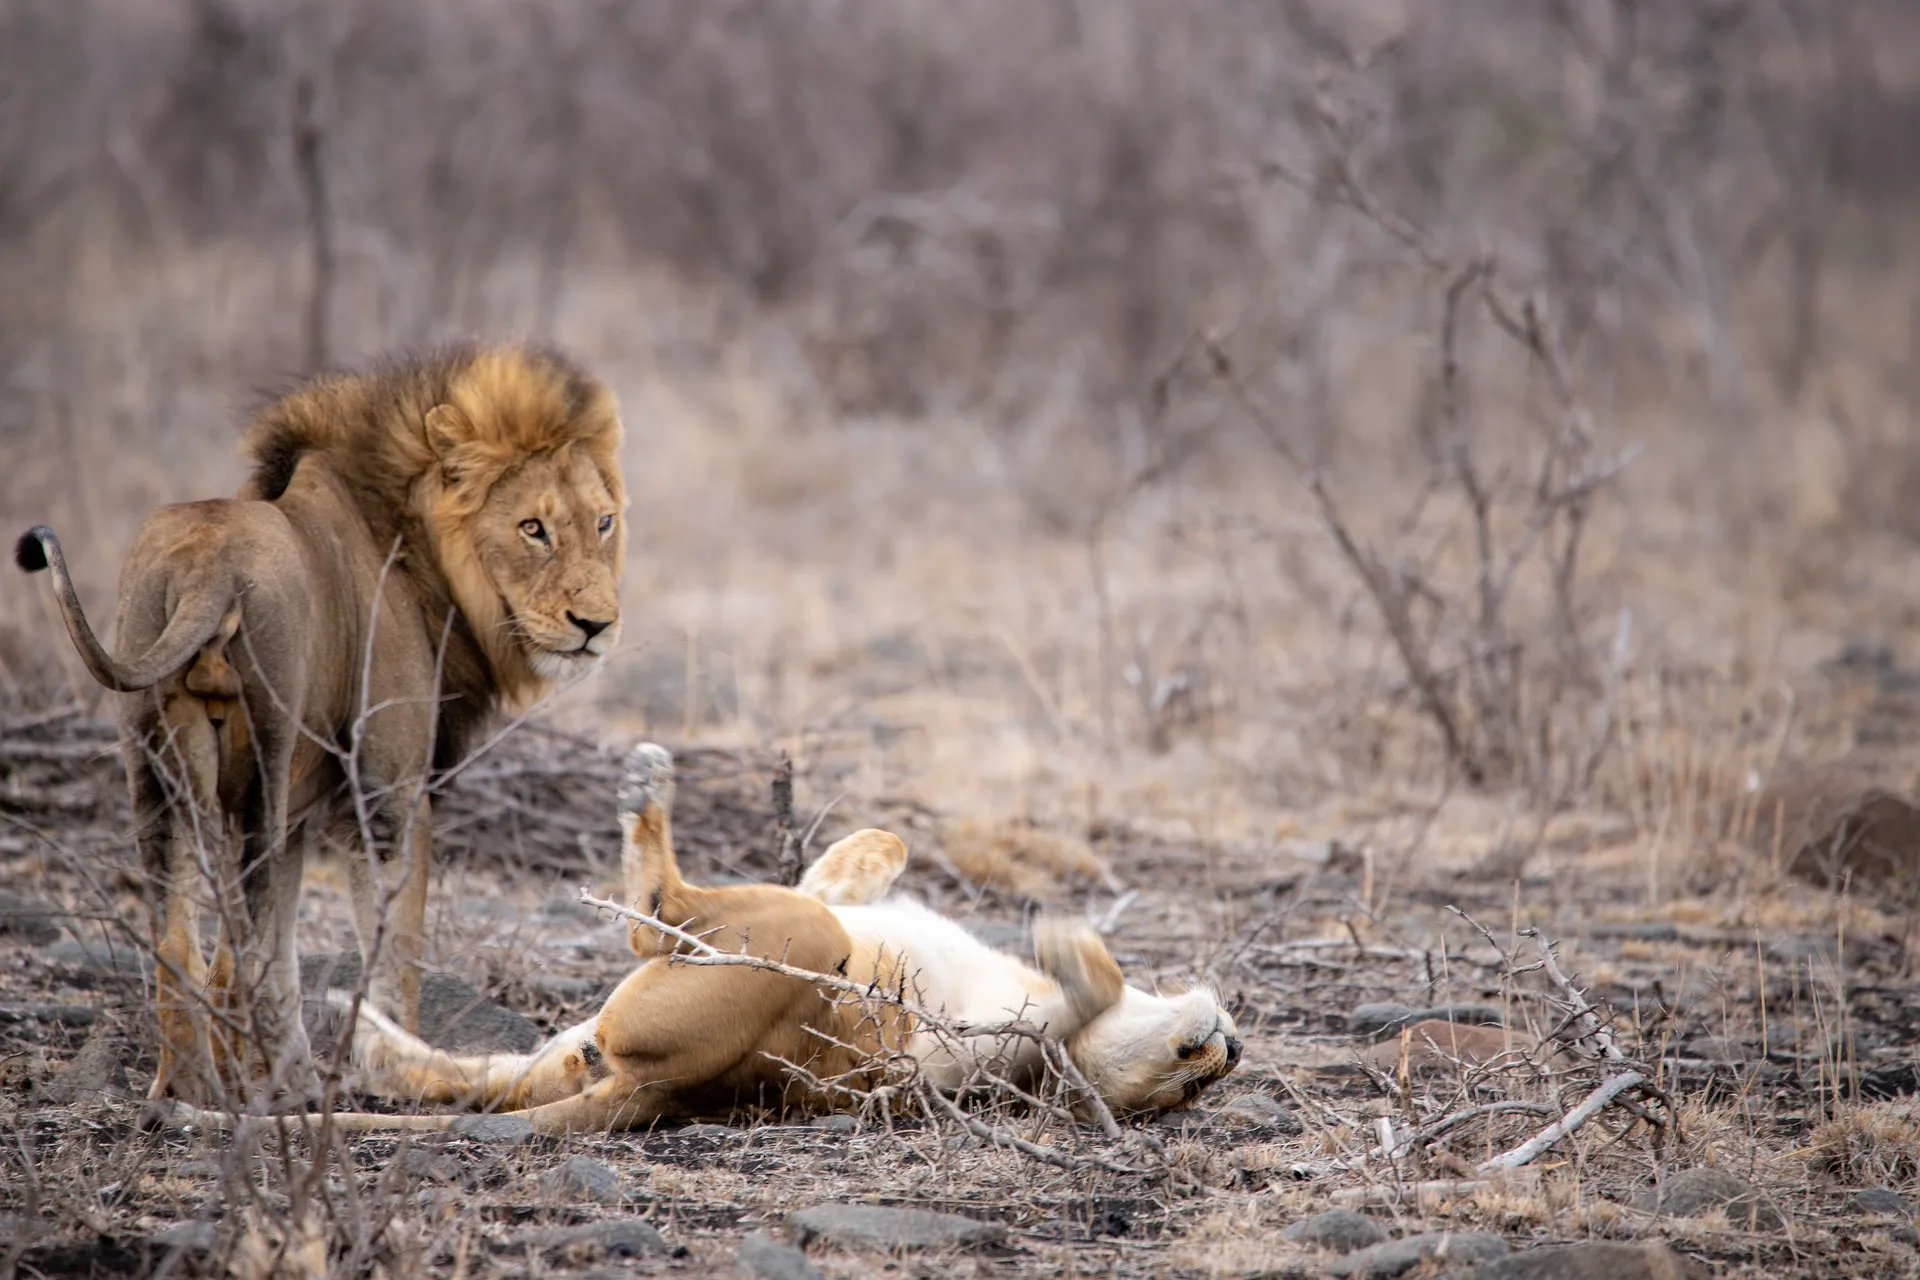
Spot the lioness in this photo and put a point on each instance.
(417, 545)
(681, 1041)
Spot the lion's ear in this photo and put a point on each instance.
(447, 429)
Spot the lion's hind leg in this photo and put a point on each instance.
(855, 869)
(402, 1065)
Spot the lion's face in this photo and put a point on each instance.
(548, 536)
(1154, 1053)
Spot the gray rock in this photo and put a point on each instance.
(1639, 930)
(66, 1015)
(582, 1178)
(1257, 1111)
(186, 1237)
(94, 1072)
(1386, 1017)
(1880, 1200)
(100, 955)
(840, 1122)
(33, 921)
(1188, 1120)
(1591, 1260)
(564, 990)
(1004, 936)
(433, 1164)
(612, 1238)
(885, 1227)
(500, 1130)
(702, 1132)
(454, 1015)
(1341, 1230)
(1396, 1257)
(1692, 1192)
(764, 1257)
(1372, 1019)
(1716, 1049)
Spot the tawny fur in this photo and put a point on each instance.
(378, 564)
(680, 1041)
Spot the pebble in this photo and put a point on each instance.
(1341, 1230)
(1592, 1260)
(1880, 1200)
(1396, 1257)
(34, 921)
(768, 1259)
(1257, 1110)
(582, 1178)
(1692, 1192)
(885, 1227)
(502, 1130)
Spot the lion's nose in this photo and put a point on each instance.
(1233, 1053)
(591, 627)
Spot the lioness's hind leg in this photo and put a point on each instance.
(857, 868)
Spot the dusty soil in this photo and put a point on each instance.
(1780, 1027)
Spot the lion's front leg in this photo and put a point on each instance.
(389, 877)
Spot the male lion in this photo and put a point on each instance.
(681, 1041)
(417, 545)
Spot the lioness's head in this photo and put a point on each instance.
(527, 512)
(1154, 1053)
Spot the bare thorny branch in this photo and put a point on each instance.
(1491, 731)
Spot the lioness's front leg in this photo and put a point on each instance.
(402, 1065)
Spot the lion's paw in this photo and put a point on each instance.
(1073, 954)
(649, 779)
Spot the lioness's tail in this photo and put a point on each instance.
(194, 622)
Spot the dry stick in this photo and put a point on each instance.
(1595, 1103)
(787, 857)
(994, 1137)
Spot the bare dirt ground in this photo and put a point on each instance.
(1777, 1025)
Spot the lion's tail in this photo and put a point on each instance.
(196, 621)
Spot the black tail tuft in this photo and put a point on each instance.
(30, 553)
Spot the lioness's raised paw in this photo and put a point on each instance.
(856, 868)
(1073, 954)
(648, 780)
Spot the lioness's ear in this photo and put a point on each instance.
(447, 429)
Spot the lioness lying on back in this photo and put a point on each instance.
(686, 1041)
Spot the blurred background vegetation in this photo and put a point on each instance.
(956, 340)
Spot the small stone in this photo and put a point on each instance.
(1432, 1045)
(186, 1237)
(100, 955)
(705, 1132)
(66, 1015)
(582, 1178)
(767, 1259)
(1258, 1111)
(1341, 1230)
(1387, 1017)
(1189, 1120)
(612, 1238)
(439, 1166)
(564, 990)
(1373, 1019)
(1880, 1200)
(1396, 1257)
(1637, 930)
(96, 1071)
(839, 1122)
(33, 921)
(885, 1227)
(1692, 1192)
(501, 1130)
(1716, 1049)
(1592, 1260)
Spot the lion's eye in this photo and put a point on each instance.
(1187, 1050)
(606, 524)
(534, 529)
